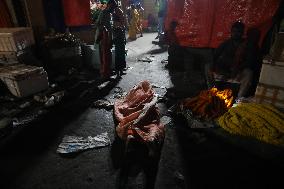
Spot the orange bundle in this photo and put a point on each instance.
(209, 104)
(138, 115)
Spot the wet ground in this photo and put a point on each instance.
(188, 159)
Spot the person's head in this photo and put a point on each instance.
(132, 6)
(103, 4)
(237, 30)
(138, 6)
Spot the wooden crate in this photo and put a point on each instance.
(270, 88)
(15, 39)
(23, 80)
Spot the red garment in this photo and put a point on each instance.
(77, 12)
(105, 53)
(208, 23)
(171, 38)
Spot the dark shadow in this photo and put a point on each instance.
(22, 148)
(254, 56)
(133, 159)
(186, 70)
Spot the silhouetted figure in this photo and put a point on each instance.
(231, 61)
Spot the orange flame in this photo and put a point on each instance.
(226, 95)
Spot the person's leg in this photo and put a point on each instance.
(245, 78)
(160, 26)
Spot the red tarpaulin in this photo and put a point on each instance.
(207, 23)
(77, 12)
(5, 19)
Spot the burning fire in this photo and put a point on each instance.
(209, 104)
(226, 95)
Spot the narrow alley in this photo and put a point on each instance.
(189, 158)
(141, 94)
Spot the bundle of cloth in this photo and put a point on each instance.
(138, 116)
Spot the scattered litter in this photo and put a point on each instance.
(16, 122)
(146, 59)
(161, 99)
(118, 90)
(72, 144)
(40, 98)
(157, 86)
(172, 110)
(104, 104)
(54, 99)
(195, 123)
(25, 105)
(129, 68)
(164, 61)
(118, 93)
(166, 120)
(103, 85)
(7, 98)
(179, 176)
(11, 112)
(53, 85)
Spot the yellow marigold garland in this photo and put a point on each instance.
(263, 122)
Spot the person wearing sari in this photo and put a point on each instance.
(140, 10)
(104, 40)
(133, 23)
(119, 40)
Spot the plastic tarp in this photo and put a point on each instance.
(207, 23)
(77, 12)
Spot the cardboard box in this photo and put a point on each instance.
(270, 88)
(23, 80)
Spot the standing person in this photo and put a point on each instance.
(104, 39)
(231, 60)
(161, 16)
(140, 10)
(119, 40)
(134, 16)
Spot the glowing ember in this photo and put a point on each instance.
(226, 95)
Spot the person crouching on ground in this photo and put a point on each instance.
(230, 62)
